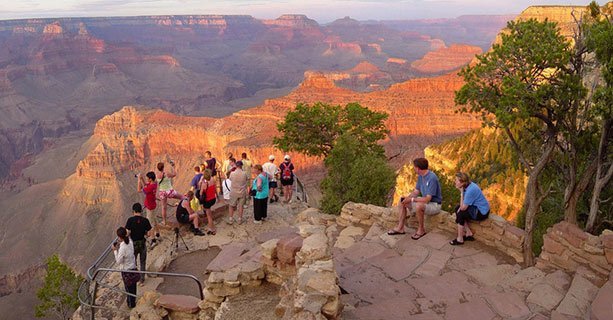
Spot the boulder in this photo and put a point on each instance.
(178, 303)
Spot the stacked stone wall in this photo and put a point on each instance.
(567, 247)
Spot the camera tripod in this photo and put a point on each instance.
(175, 241)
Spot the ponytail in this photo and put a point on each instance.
(122, 233)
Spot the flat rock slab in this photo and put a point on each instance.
(544, 297)
(525, 279)
(371, 285)
(228, 257)
(397, 266)
(362, 251)
(449, 288)
(394, 308)
(180, 303)
(477, 309)
(276, 234)
(435, 240)
(578, 298)
(476, 261)
(434, 265)
(493, 275)
(509, 305)
(602, 306)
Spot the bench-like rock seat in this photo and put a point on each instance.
(178, 303)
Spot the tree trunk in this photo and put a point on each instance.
(574, 191)
(533, 200)
(600, 181)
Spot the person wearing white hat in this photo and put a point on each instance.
(271, 169)
(287, 177)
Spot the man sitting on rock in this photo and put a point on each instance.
(429, 203)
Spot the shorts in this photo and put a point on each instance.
(151, 216)
(236, 200)
(432, 208)
(289, 182)
(209, 204)
(165, 194)
(183, 218)
(272, 184)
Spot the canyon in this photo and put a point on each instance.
(135, 91)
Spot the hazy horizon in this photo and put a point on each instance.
(323, 11)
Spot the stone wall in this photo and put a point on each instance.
(567, 247)
(495, 231)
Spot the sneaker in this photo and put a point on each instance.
(272, 200)
(290, 201)
(257, 221)
(198, 232)
(239, 221)
(230, 220)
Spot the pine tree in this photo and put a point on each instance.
(58, 295)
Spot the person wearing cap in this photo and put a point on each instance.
(238, 194)
(271, 169)
(286, 169)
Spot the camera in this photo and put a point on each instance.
(114, 243)
(136, 175)
(172, 163)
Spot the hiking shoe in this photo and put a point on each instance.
(257, 221)
(198, 232)
(239, 221)
(230, 220)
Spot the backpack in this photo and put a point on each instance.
(286, 172)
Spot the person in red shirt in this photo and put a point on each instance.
(149, 188)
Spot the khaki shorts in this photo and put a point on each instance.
(150, 214)
(432, 208)
(236, 200)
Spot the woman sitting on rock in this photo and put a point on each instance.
(473, 206)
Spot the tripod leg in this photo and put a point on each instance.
(185, 244)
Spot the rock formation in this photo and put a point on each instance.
(446, 59)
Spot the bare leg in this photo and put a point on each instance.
(209, 217)
(164, 204)
(467, 230)
(402, 215)
(231, 211)
(271, 193)
(240, 211)
(460, 237)
(195, 219)
(420, 210)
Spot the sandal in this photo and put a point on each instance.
(455, 242)
(469, 238)
(416, 236)
(394, 232)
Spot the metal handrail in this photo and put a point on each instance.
(96, 272)
(300, 188)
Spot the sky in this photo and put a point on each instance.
(321, 10)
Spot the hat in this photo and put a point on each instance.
(286, 157)
(239, 163)
(271, 157)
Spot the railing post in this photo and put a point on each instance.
(93, 303)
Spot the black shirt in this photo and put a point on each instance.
(138, 226)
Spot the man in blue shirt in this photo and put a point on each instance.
(425, 199)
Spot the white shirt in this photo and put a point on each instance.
(271, 169)
(226, 187)
(124, 256)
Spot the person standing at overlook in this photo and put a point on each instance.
(239, 193)
(165, 189)
(125, 260)
(213, 165)
(272, 171)
(138, 227)
(208, 199)
(150, 189)
(260, 198)
(286, 169)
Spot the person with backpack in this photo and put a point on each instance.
(287, 178)
(208, 197)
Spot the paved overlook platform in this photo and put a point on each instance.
(301, 264)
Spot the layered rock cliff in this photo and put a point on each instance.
(446, 59)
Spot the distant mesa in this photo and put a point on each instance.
(446, 59)
(293, 20)
(345, 22)
(53, 29)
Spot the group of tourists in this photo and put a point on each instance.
(426, 199)
(234, 181)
